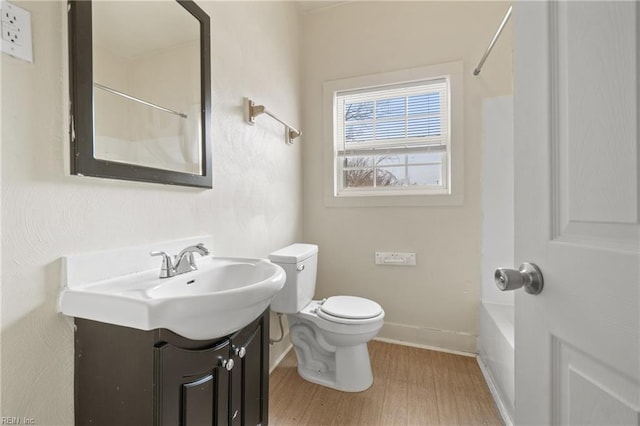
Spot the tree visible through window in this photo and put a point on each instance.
(393, 138)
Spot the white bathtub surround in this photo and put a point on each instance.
(497, 247)
(496, 335)
(496, 355)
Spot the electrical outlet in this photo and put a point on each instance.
(16, 31)
(12, 35)
(8, 15)
(395, 258)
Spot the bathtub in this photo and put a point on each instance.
(496, 332)
(496, 355)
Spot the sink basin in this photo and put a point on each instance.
(222, 296)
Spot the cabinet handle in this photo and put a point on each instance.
(227, 364)
(241, 351)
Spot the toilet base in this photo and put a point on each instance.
(333, 354)
(352, 370)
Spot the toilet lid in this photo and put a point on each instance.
(351, 307)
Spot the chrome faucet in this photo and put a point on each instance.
(183, 262)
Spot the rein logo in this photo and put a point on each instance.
(6, 420)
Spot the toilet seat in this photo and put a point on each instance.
(349, 310)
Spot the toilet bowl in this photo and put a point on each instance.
(329, 336)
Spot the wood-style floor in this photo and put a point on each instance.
(411, 387)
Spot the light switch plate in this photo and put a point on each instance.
(16, 31)
(395, 258)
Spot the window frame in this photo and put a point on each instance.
(402, 146)
(396, 196)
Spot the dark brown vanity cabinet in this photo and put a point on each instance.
(192, 385)
(125, 376)
(250, 376)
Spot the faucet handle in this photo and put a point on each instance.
(166, 270)
(205, 251)
(185, 261)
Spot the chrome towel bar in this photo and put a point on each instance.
(254, 110)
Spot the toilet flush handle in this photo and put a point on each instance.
(300, 268)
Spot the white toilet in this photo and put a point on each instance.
(329, 336)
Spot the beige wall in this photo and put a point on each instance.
(254, 208)
(436, 302)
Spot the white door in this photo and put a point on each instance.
(576, 68)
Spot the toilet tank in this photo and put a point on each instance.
(300, 263)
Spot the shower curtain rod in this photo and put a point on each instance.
(493, 41)
(133, 98)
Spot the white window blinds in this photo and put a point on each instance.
(393, 137)
(399, 116)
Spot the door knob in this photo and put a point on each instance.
(528, 275)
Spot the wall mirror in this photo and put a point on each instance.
(140, 91)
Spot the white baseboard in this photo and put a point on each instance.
(280, 358)
(418, 345)
(449, 340)
(494, 392)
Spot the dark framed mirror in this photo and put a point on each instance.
(140, 87)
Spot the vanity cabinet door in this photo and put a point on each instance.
(192, 385)
(249, 377)
(130, 377)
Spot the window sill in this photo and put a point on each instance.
(399, 200)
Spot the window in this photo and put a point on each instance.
(393, 140)
(392, 136)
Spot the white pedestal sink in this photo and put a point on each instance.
(222, 296)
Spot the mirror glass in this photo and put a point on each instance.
(146, 85)
(140, 80)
